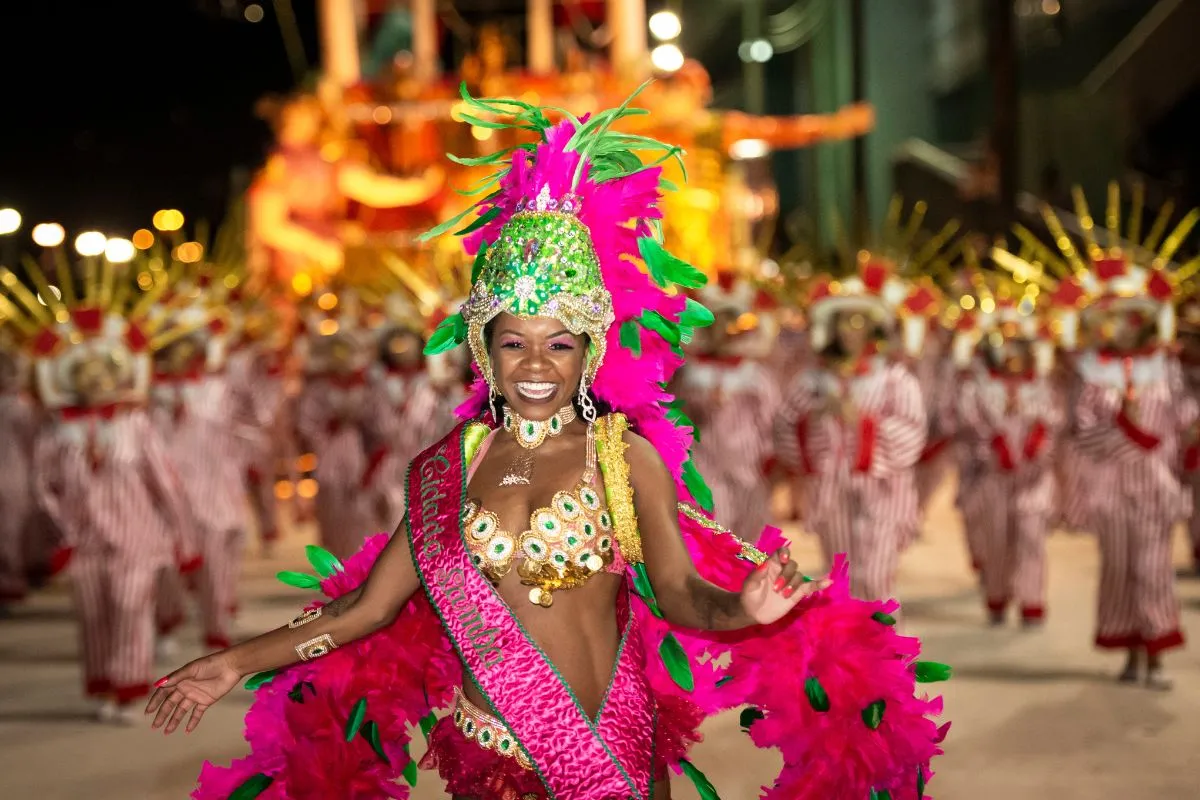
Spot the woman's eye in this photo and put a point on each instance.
(512, 345)
(561, 346)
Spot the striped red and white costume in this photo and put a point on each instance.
(202, 421)
(258, 382)
(1191, 467)
(733, 402)
(18, 430)
(861, 495)
(1136, 493)
(334, 421)
(935, 373)
(399, 435)
(106, 479)
(1008, 427)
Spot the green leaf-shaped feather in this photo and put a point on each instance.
(449, 334)
(816, 694)
(427, 723)
(654, 321)
(643, 589)
(410, 770)
(301, 580)
(370, 732)
(883, 619)
(920, 782)
(696, 315)
(252, 787)
(357, 714)
(631, 337)
(667, 269)
(323, 561)
(696, 486)
(484, 218)
(477, 264)
(882, 794)
(259, 679)
(703, 785)
(931, 672)
(872, 715)
(676, 662)
(749, 716)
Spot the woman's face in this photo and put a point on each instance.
(854, 332)
(537, 363)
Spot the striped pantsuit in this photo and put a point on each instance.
(872, 546)
(1193, 479)
(15, 519)
(114, 603)
(215, 584)
(1138, 606)
(1014, 559)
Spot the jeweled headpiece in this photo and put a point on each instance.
(543, 261)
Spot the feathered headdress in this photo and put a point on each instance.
(883, 280)
(110, 318)
(1126, 272)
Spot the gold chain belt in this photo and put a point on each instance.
(485, 730)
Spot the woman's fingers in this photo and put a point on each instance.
(181, 710)
(197, 715)
(167, 709)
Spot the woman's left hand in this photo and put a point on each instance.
(775, 587)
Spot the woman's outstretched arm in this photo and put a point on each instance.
(374, 605)
(685, 598)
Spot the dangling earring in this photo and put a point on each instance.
(492, 405)
(586, 406)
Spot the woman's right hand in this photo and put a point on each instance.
(191, 688)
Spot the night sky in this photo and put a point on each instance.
(115, 108)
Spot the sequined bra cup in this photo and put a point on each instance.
(566, 543)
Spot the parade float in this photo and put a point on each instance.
(359, 170)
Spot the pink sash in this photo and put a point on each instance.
(575, 757)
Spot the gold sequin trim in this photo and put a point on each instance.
(315, 648)
(485, 730)
(611, 447)
(749, 551)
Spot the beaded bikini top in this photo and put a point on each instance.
(566, 543)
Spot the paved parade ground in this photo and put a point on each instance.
(1037, 716)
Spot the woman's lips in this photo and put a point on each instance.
(536, 391)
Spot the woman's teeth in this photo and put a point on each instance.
(536, 391)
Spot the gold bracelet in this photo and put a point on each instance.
(315, 648)
(306, 617)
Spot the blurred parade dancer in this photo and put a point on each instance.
(18, 430)
(732, 399)
(105, 478)
(1009, 417)
(1189, 356)
(334, 419)
(1134, 419)
(205, 425)
(855, 426)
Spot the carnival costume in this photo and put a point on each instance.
(564, 233)
(18, 432)
(1008, 422)
(102, 473)
(1133, 417)
(860, 493)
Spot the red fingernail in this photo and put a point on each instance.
(158, 684)
(779, 582)
(788, 592)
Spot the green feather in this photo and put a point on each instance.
(477, 264)
(749, 716)
(920, 782)
(357, 714)
(817, 698)
(631, 337)
(450, 334)
(724, 681)
(427, 723)
(872, 715)
(667, 269)
(696, 315)
(882, 794)
(370, 732)
(260, 679)
(323, 561)
(696, 486)
(676, 662)
(643, 589)
(931, 672)
(484, 218)
(703, 785)
(301, 580)
(654, 321)
(883, 619)
(252, 787)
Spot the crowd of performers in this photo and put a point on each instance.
(145, 433)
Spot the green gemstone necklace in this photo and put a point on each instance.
(530, 434)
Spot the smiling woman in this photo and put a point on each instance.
(554, 582)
